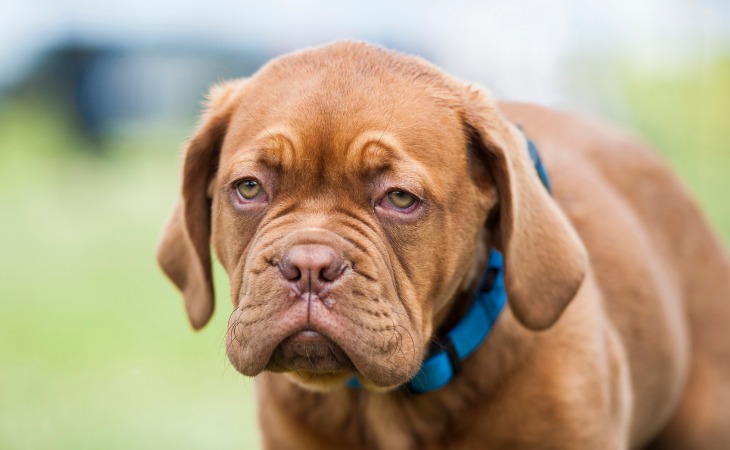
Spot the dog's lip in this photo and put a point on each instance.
(311, 351)
(258, 348)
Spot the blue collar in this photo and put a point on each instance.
(444, 359)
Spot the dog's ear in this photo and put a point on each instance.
(184, 248)
(545, 261)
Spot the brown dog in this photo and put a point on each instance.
(352, 195)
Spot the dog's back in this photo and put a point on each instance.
(656, 261)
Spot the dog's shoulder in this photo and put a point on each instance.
(589, 160)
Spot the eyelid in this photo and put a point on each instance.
(247, 167)
(388, 183)
(263, 179)
(234, 184)
(416, 193)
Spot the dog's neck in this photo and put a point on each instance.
(455, 309)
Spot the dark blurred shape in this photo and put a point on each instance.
(105, 90)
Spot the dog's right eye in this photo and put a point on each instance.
(249, 189)
(401, 200)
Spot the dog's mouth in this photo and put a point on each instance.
(310, 351)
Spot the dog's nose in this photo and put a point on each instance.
(311, 266)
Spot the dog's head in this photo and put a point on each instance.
(344, 190)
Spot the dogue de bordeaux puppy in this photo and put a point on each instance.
(414, 265)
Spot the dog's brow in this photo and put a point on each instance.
(278, 151)
(373, 150)
(240, 167)
(271, 150)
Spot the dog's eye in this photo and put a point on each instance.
(401, 199)
(248, 189)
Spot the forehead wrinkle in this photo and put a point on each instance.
(373, 150)
(277, 149)
(265, 151)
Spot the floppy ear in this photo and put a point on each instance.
(545, 261)
(184, 248)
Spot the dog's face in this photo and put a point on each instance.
(333, 195)
(344, 190)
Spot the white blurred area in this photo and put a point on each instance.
(560, 53)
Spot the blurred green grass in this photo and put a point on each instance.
(686, 116)
(95, 350)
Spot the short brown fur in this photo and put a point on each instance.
(619, 292)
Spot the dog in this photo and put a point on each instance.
(366, 207)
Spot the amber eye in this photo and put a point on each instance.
(401, 199)
(248, 189)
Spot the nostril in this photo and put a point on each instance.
(297, 275)
(290, 271)
(331, 272)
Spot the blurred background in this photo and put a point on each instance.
(97, 98)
